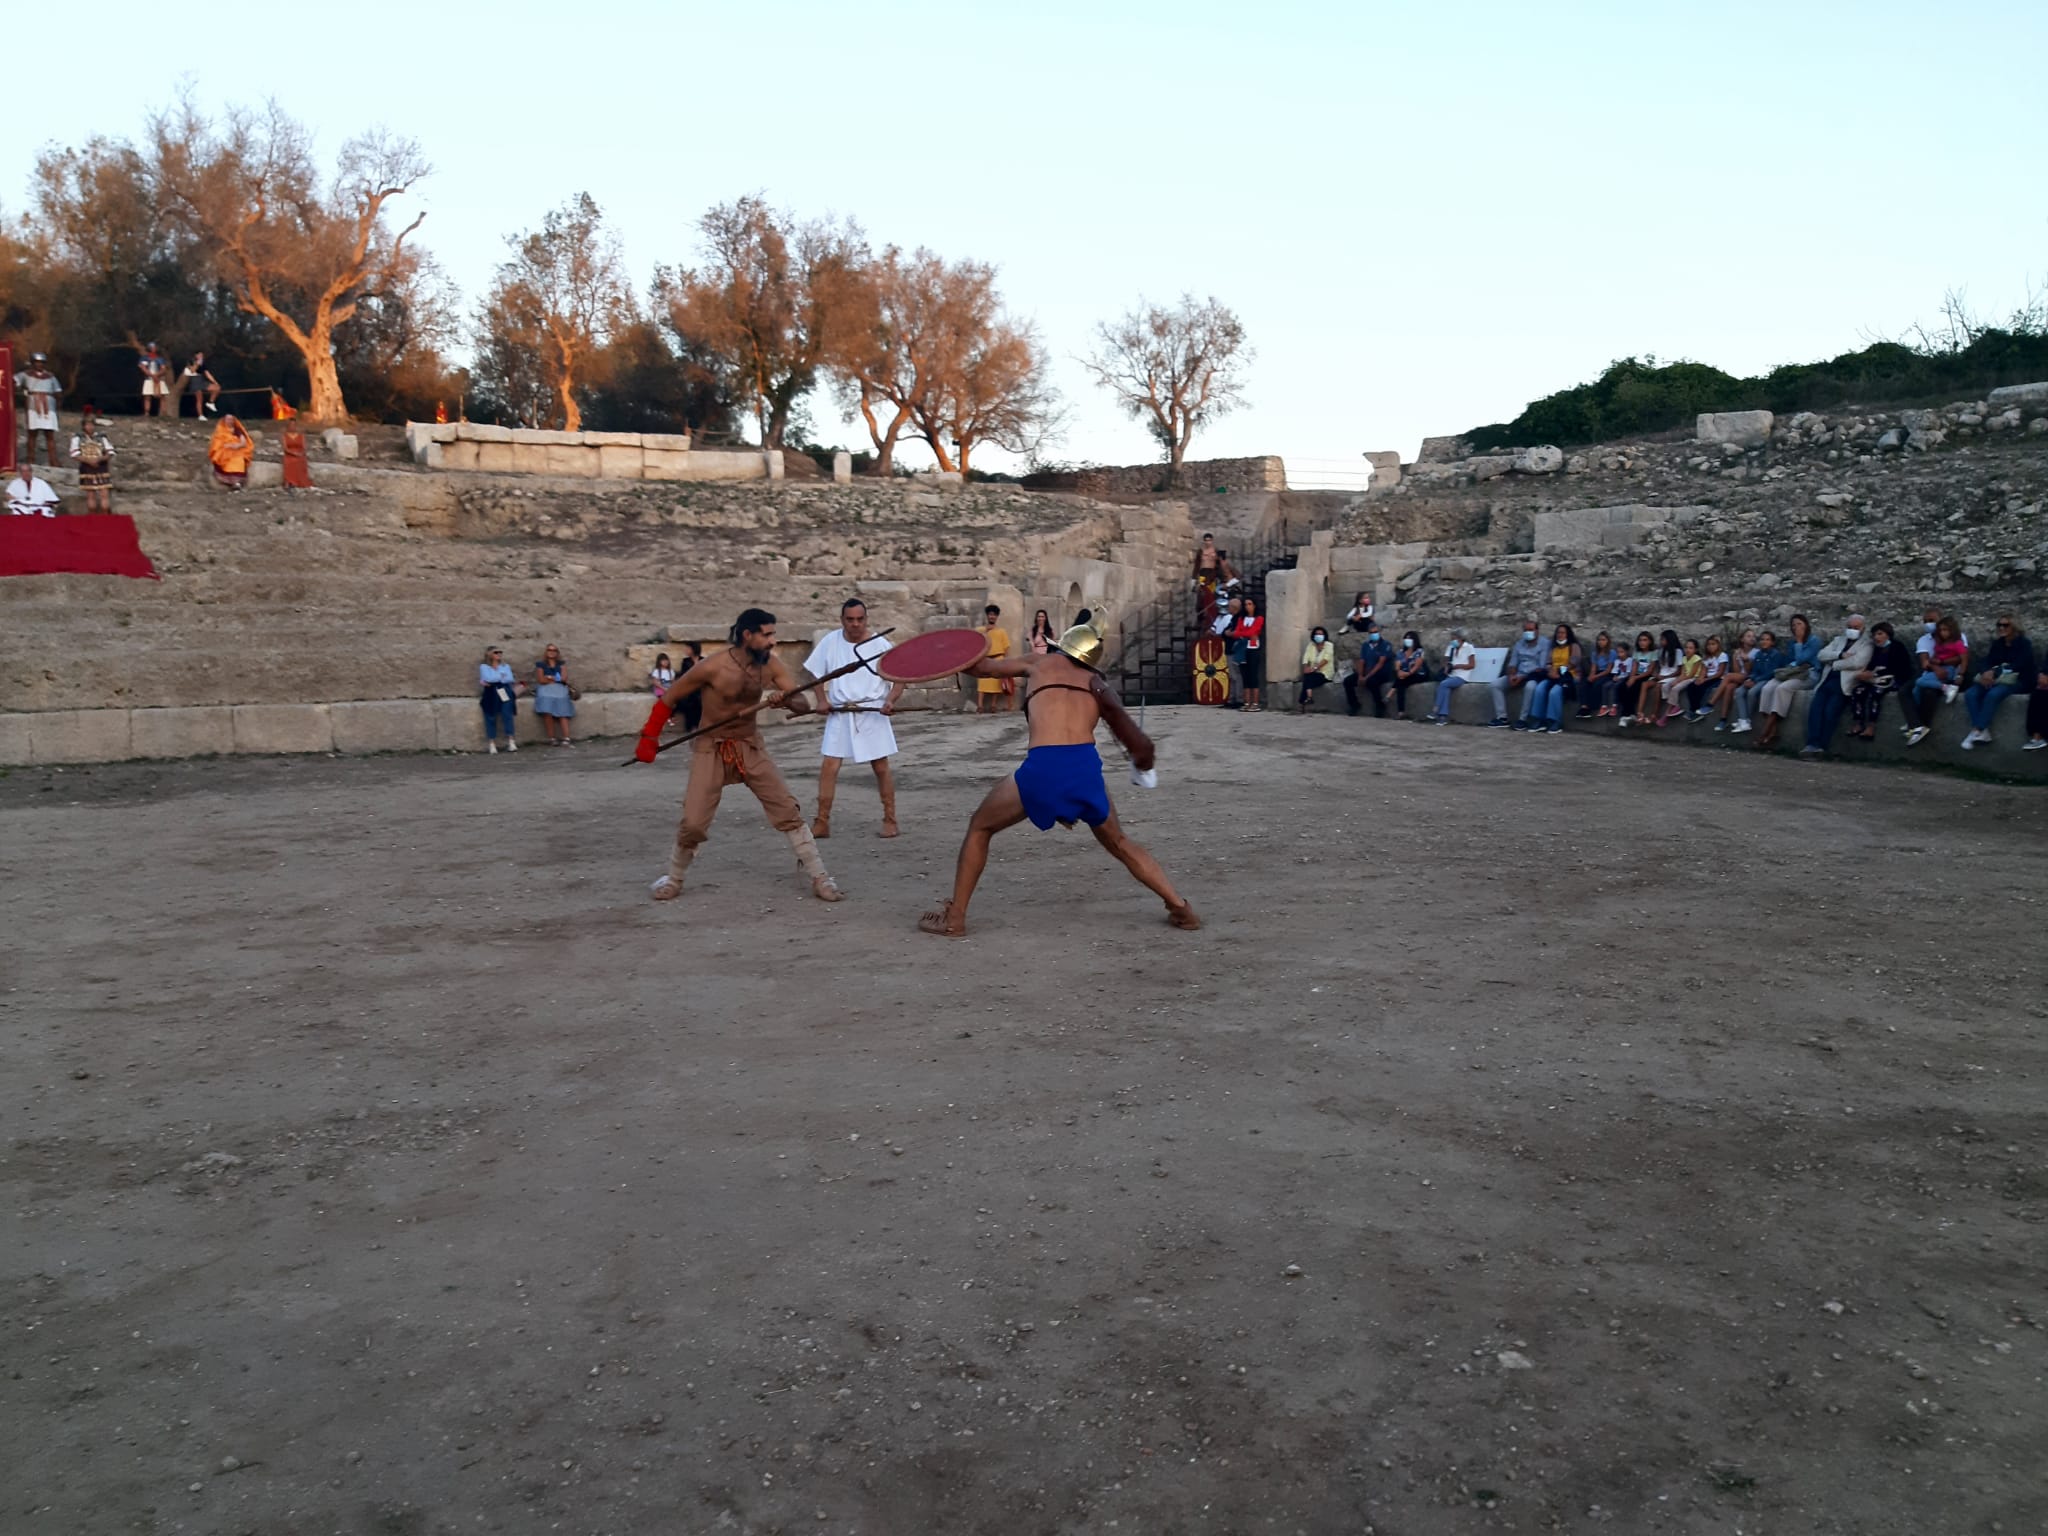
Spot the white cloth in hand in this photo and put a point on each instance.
(1145, 778)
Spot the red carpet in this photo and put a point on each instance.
(84, 546)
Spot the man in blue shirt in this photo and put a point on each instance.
(1373, 671)
(1527, 659)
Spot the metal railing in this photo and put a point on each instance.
(1154, 661)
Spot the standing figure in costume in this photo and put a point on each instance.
(1061, 776)
(94, 456)
(43, 390)
(156, 372)
(993, 694)
(298, 474)
(1212, 570)
(858, 726)
(733, 684)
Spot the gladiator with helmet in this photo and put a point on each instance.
(1060, 779)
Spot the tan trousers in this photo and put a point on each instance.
(714, 765)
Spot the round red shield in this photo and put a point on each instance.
(935, 654)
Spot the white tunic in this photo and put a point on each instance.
(864, 732)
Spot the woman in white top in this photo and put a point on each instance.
(660, 675)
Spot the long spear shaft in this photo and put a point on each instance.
(755, 709)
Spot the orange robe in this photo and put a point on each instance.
(297, 473)
(230, 451)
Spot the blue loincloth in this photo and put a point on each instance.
(1063, 784)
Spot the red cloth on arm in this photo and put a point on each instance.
(100, 545)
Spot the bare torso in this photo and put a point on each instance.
(1060, 716)
(730, 685)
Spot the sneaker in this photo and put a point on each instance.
(1585, 714)
(1949, 692)
(1810, 750)
(2036, 745)
(492, 748)
(1497, 722)
(1970, 741)
(1916, 735)
(1720, 725)
(1443, 720)
(511, 746)
(1554, 730)
(1519, 725)
(1429, 719)
(1740, 727)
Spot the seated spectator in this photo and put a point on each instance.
(1794, 676)
(1460, 657)
(30, 495)
(1678, 686)
(1526, 660)
(1764, 662)
(1318, 666)
(231, 452)
(1372, 671)
(2007, 668)
(1631, 670)
(1924, 643)
(554, 701)
(1543, 701)
(2037, 719)
(499, 699)
(1411, 670)
(1835, 679)
(1664, 661)
(1944, 663)
(1733, 680)
(1890, 672)
(1714, 671)
(1360, 616)
(1597, 697)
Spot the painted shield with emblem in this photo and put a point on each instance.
(1212, 670)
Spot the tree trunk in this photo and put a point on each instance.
(324, 402)
(778, 423)
(572, 414)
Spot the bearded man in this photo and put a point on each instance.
(732, 685)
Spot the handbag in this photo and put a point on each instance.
(575, 693)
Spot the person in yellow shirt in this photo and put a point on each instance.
(995, 695)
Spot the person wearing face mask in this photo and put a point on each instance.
(1835, 680)
(1411, 670)
(731, 752)
(1527, 659)
(1373, 670)
(1890, 673)
(1543, 700)
(1318, 666)
(1461, 658)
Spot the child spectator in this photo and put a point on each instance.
(1679, 683)
(660, 675)
(1631, 672)
(1597, 698)
(1714, 668)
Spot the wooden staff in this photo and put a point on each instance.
(755, 709)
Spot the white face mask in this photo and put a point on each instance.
(1926, 629)
(1321, 637)
(1853, 634)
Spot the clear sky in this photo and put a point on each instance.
(1425, 215)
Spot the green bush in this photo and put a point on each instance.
(1640, 395)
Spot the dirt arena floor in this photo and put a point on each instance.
(1544, 1135)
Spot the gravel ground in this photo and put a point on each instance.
(1542, 1136)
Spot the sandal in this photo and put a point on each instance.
(667, 888)
(1183, 916)
(825, 888)
(822, 827)
(939, 921)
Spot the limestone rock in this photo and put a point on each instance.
(1539, 461)
(1489, 466)
(1746, 429)
(2018, 394)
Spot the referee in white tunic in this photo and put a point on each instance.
(861, 703)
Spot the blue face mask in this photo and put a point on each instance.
(1528, 634)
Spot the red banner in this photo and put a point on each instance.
(100, 545)
(6, 409)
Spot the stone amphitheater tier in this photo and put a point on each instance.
(387, 583)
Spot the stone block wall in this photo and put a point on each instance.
(1267, 472)
(472, 447)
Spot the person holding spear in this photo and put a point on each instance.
(859, 704)
(736, 684)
